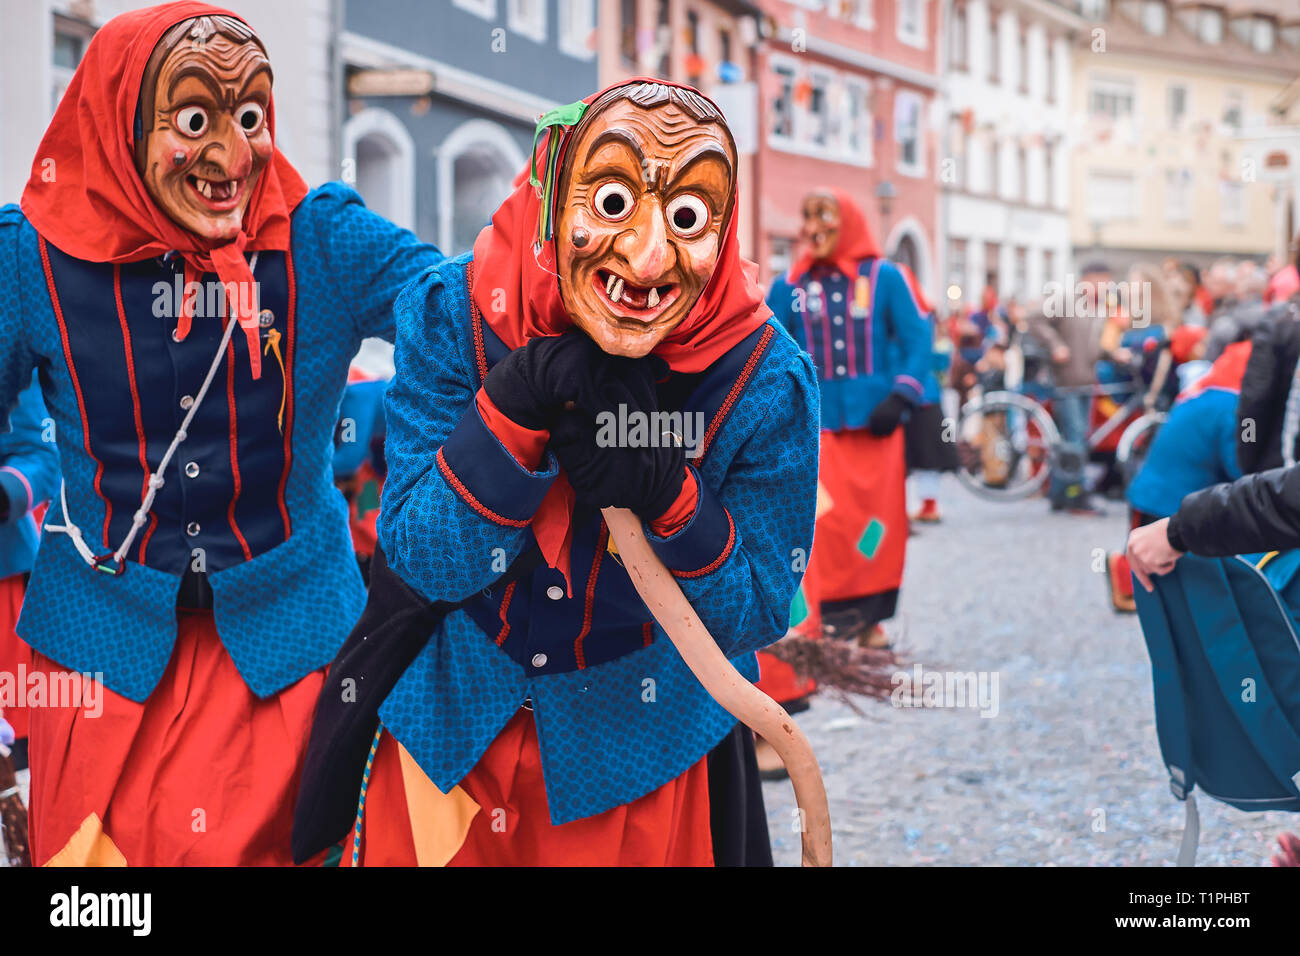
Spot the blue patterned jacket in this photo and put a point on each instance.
(29, 474)
(249, 497)
(618, 713)
(863, 333)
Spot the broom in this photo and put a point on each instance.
(724, 683)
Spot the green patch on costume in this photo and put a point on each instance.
(869, 543)
(798, 608)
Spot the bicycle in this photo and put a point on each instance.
(1006, 438)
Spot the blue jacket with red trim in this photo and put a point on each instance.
(863, 333)
(29, 474)
(249, 499)
(618, 713)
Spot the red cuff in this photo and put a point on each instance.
(528, 446)
(680, 511)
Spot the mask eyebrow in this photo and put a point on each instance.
(617, 135)
(263, 67)
(707, 151)
(201, 74)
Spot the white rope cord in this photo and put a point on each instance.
(156, 480)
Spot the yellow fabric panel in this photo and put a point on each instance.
(89, 846)
(439, 821)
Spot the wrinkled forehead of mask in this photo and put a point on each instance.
(219, 44)
(659, 123)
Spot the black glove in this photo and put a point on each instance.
(887, 416)
(532, 384)
(646, 480)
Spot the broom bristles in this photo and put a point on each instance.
(843, 668)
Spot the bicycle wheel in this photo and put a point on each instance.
(1004, 446)
(1136, 442)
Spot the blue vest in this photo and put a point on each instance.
(251, 485)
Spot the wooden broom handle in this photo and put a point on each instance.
(724, 683)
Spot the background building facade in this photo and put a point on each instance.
(441, 101)
(1004, 173)
(847, 92)
(1168, 98)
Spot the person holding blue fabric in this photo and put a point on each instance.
(191, 308)
(1194, 449)
(29, 475)
(852, 311)
(549, 720)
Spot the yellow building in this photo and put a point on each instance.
(1168, 97)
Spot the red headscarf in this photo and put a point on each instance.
(729, 308)
(96, 207)
(856, 241)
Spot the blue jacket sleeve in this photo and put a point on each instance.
(16, 360)
(456, 503)
(909, 330)
(1226, 444)
(29, 465)
(740, 557)
(369, 259)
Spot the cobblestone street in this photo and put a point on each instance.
(1068, 772)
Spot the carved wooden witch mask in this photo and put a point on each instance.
(203, 113)
(821, 224)
(645, 195)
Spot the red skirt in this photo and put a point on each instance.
(15, 655)
(203, 773)
(860, 540)
(498, 815)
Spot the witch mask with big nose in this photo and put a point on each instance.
(204, 104)
(644, 199)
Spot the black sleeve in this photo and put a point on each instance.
(1259, 512)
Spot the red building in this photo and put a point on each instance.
(846, 89)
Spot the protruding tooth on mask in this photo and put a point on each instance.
(652, 299)
(609, 284)
(618, 291)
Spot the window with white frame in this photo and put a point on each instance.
(958, 36)
(528, 18)
(816, 119)
(1049, 175)
(1021, 185)
(1110, 196)
(577, 22)
(993, 38)
(993, 169)
(908, 108)
(780, 254)
(1022, 61)
(71, 37)
(1155, 16)
(1111, 97)
(1263, 35)
(783, 102)
(1232, 203)
(857, 125)
(1209, 25)
(1291, 34)
(1049, 265)
(857, 12)
(911, 22)
(1177, 105)
(1234, 108)
(487, 9)
(1049, 66)
(1178, 195)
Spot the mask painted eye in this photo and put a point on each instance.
(614, 201)
(688, 215)
(250, 117)
(192, 121)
